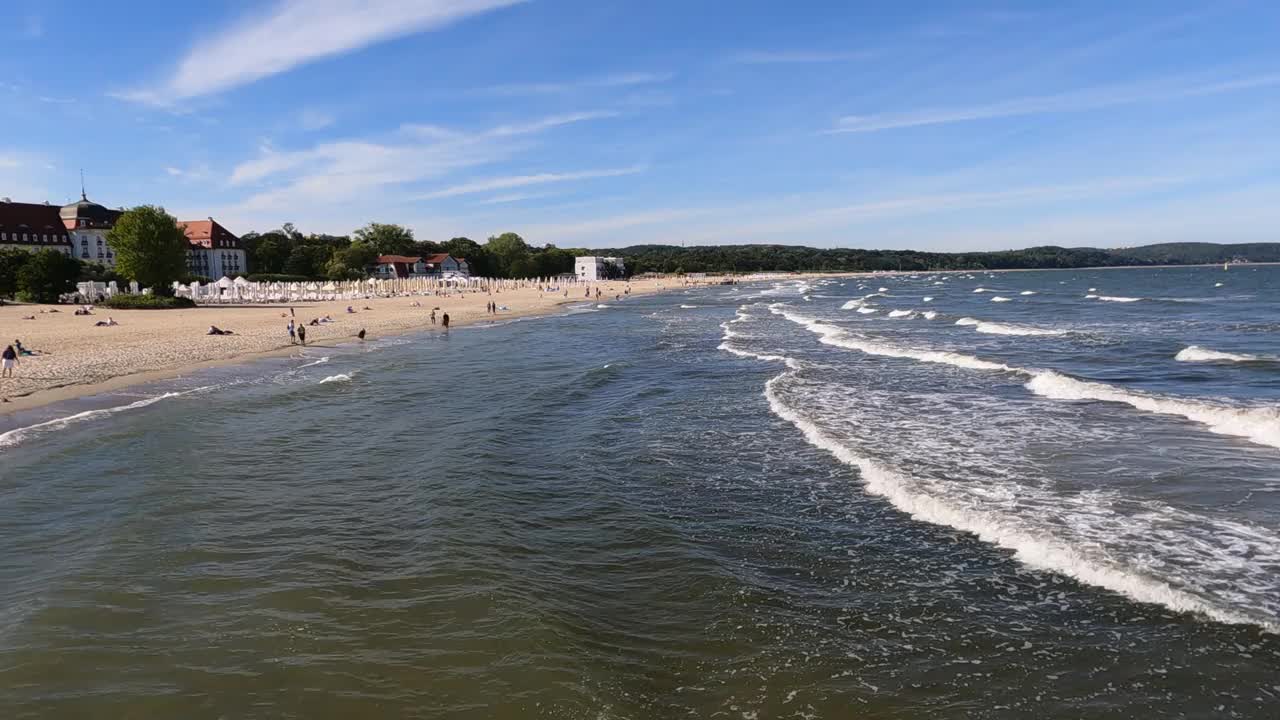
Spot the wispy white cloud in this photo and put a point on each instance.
(514, 197)
(352, 171)
(1075, 101)
(553, 88)
(296, 32)
(312, 119)
(795, 57)
(515, 181)
(549, 123)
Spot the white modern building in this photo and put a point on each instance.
(592, 268)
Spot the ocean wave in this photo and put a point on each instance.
(852, 304)
(926, 298)
(1195, 353)
(1118, 298)
(1027, 292)
(900, 313)
(999, 299)
(1258, 424)
(1031, 545)
(930, 314)
(993, 328)
(340, 377)
(867, 310)
(688, 307)
(321, 361)
(18, 435)
(601, 306)
(981, 290)
(839, 337)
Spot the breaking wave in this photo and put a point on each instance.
(992, 328)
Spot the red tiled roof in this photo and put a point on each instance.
(385, 259)
(437, 258)
(208, 234)
(35, 218)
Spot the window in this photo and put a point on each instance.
(24, 237)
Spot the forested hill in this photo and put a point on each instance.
(788, 258)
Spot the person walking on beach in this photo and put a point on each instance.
(292, 339)
(444, 321)
(433, 316)
(8, 359)
(360, 334)
(302, 335)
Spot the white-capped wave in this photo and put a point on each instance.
(927, 298)
(1259, 424)
(839, 337)
(998, 298)
(1118, 298)
(993, 328)
(688, 307)
(1027, 292)
(17, 435)
(867, 310)
(900, 313)
(602, 306)
(321, 361)
(930, 314)
(981, 290)
(883, 290)
(340, 377)
(1030, 544)
(1090, 297)
(852, 304)
(1195, 353)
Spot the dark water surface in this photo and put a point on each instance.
(750, 502)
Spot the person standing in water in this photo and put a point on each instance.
(302, 335)
(444, 321)
(8, 359)
(292, 335)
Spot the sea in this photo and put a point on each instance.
(1050, 494)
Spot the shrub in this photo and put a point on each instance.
(147, 302)
(276, 277)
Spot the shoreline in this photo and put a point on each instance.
(255, 345)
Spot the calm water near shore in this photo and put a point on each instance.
(1049, 494)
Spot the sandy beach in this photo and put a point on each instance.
(75, 358)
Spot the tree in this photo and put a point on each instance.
(308, 260)
(11, 261)
(150, 248)
(509, 252)
(267, 252)
(47, 275)
(386, 239)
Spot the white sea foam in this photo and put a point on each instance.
(1118, 298)
(998, 298)
(1259, 424)
(867, 310)
(1195, 353)
(602, 306)
(1217, 284)
(883, 290)
(900, 313)
(981, 290)
(1027, 292)
(927, 298)
(930, 314)
(993, 328)
(1090, 297)
(852, 304)
(839, 337)
(341, 377)
(688, 307)
(1031, 544)
(321, 361)
(18, 435)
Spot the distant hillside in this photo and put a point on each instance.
(1199, 253)
(795, 258)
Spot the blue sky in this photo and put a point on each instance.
(933, 125)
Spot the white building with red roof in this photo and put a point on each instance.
(215, 251)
